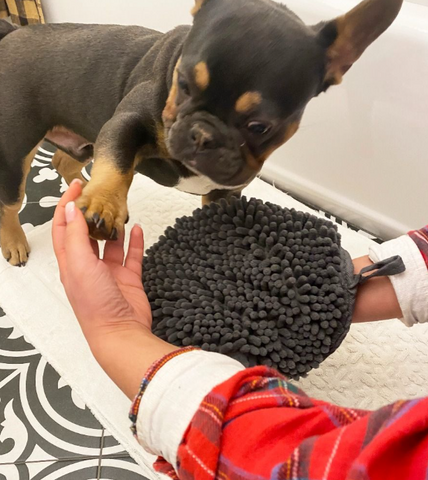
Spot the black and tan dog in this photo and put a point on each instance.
(199, 108)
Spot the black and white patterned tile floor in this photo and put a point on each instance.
(46, 431)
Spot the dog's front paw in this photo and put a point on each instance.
(106, 212)
(14, 247)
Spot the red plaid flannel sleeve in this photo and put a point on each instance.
(420, 237)
(258, 426)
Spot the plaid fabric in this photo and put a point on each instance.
(22, 12)
(258, 426)
(420, 237)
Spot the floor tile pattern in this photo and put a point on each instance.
(46, 431)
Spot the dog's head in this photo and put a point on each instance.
(248, 70)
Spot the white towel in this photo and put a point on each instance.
(377, 363)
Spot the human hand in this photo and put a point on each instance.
(106, 294)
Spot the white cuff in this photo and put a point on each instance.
(173, 397)
(411, 286)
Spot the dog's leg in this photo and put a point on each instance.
(104, 199)
(68, 167)
(13, 242)
(216, 195)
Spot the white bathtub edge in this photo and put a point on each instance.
(352, 212)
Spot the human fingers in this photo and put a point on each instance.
(113, 250)
(60, 224)
(134, 258)
(79, 251)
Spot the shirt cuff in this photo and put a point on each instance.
(411, 286)
(171, 395)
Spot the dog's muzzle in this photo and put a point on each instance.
(205, 145)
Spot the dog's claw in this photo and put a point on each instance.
(100, 224)
(104, 215)
(20, 264)
(113, 235)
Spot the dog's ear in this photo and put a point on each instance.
(347, 37)
(198, 6)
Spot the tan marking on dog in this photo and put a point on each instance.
(13, 242)
(197, 7)
(202, 76)
(159, 150)
(255, 164)
(205, 200)
(68, 167)
(169, 114)
(216, 196)
(289, 133)
(161, 141)
(340, 49)
(356, 30)
(106, 194)
(248, 101)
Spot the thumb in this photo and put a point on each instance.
(78, 246)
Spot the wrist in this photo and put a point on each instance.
(376, 299)
(126, 354)
(108, 335)
(97, 329)
(411, 287)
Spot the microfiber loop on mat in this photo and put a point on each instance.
(263, 284)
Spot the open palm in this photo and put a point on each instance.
(106, 294)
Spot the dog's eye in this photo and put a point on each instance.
(184, 86)
(258, 128)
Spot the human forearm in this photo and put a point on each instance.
(401, 296)
(127, 355)
(376, 300)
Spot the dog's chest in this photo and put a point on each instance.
(171, 173)
(198, 185)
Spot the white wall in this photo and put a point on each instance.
(362, 151)
(420, 2)
(161, 15)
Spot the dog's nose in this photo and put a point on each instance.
(202, 139)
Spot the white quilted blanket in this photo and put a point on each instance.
(377, 363)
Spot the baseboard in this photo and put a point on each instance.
(355, 213)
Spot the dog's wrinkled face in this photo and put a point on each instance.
(247, 72)
(242, 84)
